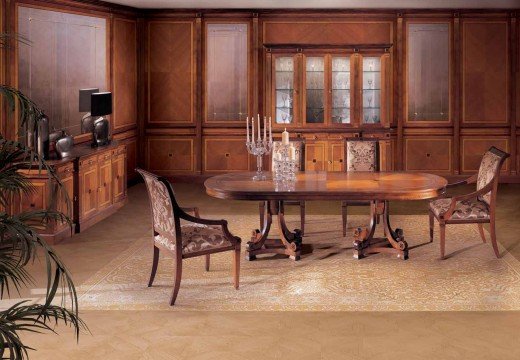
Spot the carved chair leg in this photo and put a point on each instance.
(442, 239)
(236, 267)
(494, 237)
(344, 217)
(261, 209)
(432, 223)
(177, 282)
(207, 262)
(154, 265)
(302, 217)
(481, 231)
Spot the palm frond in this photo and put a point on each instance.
(29, 113)
(6, 40)
(34, 318)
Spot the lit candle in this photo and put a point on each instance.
(259, 133)
(285, 137)
(253, 129)
(247, 130)
(292, 153)
(265, 128)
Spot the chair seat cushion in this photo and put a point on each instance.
(464, 210)
(197, 237)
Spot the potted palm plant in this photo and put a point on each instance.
(20, 242)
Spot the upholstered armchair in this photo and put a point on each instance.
(476, 207)
(360, 155)
(299, 145)
(196, 237)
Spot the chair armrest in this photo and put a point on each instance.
(472, 195)
(194, 210)
(472, 179)
(222, 223)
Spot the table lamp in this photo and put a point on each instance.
(101, 105)
(87, 121)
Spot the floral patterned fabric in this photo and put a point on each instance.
(464, 210)
(298, 150)
(488, 167)
(197, 237)
(361, 155)
(162, 207)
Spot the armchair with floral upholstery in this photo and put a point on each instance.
(476, 207)
(195, 237)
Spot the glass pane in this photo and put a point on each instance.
(371, 90)
(428, 72)
(226, 76)
(314, 89)
(284, 89)
(341, 90)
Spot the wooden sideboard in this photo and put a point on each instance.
(94, 180)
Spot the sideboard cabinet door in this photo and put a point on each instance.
(105, 180)
(88, 187)
(119, 174)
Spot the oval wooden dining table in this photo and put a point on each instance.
(376, 187)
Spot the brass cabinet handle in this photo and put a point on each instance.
(313, 160)
(428, 154)
(227, 154)
(170, 154)
(90, 191)
(340, 160)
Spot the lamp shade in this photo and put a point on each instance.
(101, 103)
(84, 98)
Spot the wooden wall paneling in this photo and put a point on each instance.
(3, 125)
(310, 31)
(226, 154)
(170, 72)
(399, 91)
(124, 45)
(199, 103)
(513, 53)
(131, 140)
(428, 153)
(485, 72)
(142, 109)
(474, 147)
(456, 71)
(256, 72)
(169, 155)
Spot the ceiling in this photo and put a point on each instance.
(320, 4)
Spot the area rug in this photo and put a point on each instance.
(327, 278)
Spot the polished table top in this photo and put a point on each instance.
(320, 185)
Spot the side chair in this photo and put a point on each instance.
(299, 145)
(477, 207)
(360, 155)
(197, 237)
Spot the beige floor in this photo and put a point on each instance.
(271, 335)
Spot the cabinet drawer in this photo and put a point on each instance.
(474, 147)
(88, 163)
(167, 155)
(428, 154)
(226, 155)
(105, 157)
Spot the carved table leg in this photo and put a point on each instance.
(393, 241)
(289, 242)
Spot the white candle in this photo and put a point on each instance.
(285, 137)
(292, 153)
(253, 129)
(265, 128)
(259, 133)
(247, 130)
(270, 131)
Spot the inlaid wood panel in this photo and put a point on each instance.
(428, 72)
(88, 187)
(330, 32)
(226, 155)
(119, 174)
(125, 73)
(336, 160)
(432, 154)
(105, 181)
(485, 72)
(170, 72)
(68, 52)
(474, 147)
(227, 64)
(167, 155)
(316, 155)
(131, 158)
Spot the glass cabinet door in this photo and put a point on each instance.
(284, 89)
(371, 90)
(315, 90)
(226, 72)
(340, 90)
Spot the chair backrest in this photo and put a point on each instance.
(299, 145)
(489, 171)
(163, 205)
(361, 155)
